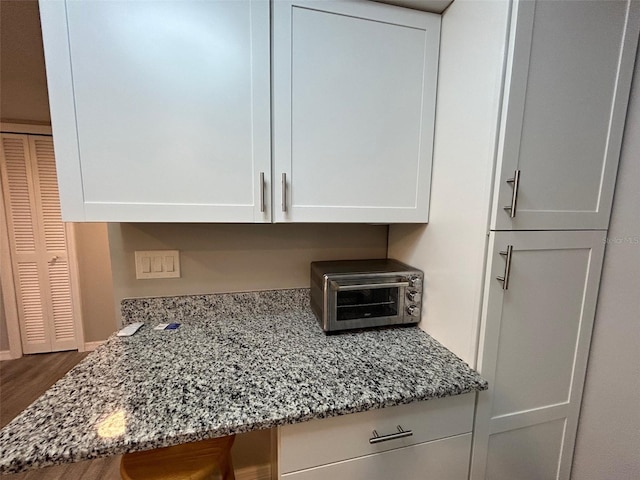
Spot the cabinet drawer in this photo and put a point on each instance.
(446, 459)
(319, 442)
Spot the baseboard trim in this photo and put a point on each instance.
(91, 346)
(254, 472)
(6, 355)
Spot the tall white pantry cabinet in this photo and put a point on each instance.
(531, 104)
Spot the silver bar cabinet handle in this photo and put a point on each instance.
(514, 196)
(507, 267)
(392, 436)
(284, 192)
(262, 191)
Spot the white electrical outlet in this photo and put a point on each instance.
(157, 264)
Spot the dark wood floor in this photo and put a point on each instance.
(21, 382)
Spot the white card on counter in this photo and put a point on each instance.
(161, 326)
(130, 329)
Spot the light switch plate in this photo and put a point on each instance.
(157, 264)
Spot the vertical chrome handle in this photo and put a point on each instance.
(514, 196)
(262, 191)
(284, 192)
(507, 267)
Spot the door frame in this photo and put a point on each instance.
(7, 282)
(7, 286)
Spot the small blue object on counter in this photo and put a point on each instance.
(167, 326)
(238, 362)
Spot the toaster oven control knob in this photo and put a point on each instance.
(413, 310)
(415, 281)
(414, 296)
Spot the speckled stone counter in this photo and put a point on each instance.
(238, 362)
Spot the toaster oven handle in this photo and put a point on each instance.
(361, 286)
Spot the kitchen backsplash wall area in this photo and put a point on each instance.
(217, 258)
(98, 311)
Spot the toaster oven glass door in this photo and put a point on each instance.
(368, 304)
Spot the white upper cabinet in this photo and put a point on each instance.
(354, 86)
(160, 110)
(568, 77)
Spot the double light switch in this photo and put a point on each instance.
(157, 264)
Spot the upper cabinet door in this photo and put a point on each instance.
(160, 110)
(566, 90)
(354, 88)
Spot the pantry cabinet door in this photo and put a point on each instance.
(533, 351)
(160, 110)
(353, 109)
(567, 84)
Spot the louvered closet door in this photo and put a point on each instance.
(38, 244)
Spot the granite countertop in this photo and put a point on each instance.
(239, 362)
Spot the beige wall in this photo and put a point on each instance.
(231, 258)
(451, 249)
(96, 288)
(23, 92)
(608, 442)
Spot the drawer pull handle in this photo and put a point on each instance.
(392, 436)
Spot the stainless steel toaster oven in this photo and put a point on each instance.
(347, 294)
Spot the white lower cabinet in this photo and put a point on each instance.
(446, 459)
(439, 443)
